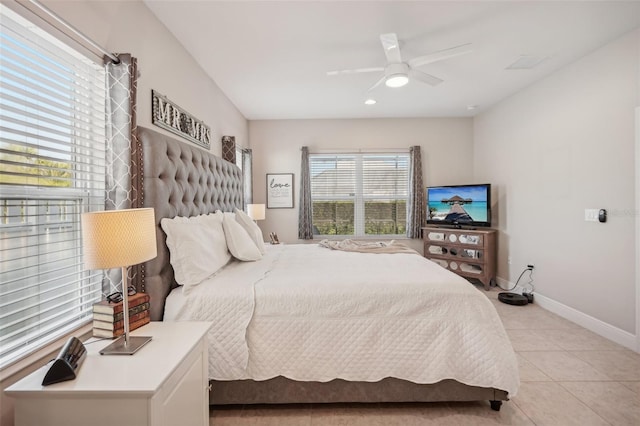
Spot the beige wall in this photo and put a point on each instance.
(447, 152)
(560, 146)
(165, 66)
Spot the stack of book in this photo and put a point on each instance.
(108, 317)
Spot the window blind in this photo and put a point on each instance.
(359, 194)
(52, 168)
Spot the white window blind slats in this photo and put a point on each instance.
(24, 115)
(359, 194)
(92, 156)
(33, 128)
(58, 316)
(386, 175)
(43, 130)
(38, 49)
(63, 96)
(41, 78)
(334, 177)
(34, 274)
(52, 168)
(45, 295)
(20, 254)
(46, 111)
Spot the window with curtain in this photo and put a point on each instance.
(52, 168)
(359, 194)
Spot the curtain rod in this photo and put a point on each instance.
(359, 151)
(75, 31)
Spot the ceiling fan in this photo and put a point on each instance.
(398, 72)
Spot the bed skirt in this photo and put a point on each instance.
(281, 390)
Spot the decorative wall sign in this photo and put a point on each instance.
(279, 190)
(171, 117)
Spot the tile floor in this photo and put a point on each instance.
(569, 376)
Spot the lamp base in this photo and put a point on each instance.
(119, 347)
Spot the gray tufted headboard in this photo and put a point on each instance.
(178, 179)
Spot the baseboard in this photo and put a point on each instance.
(600, 327)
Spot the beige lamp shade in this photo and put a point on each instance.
(117, 238)
(255, 211)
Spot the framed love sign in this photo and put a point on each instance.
(279, 190)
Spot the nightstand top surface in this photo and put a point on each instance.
(142, 373)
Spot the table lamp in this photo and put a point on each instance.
(255, 211)
(119, 238)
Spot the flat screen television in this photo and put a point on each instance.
(459, 205)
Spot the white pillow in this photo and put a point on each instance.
(194, 247)
(239, 242)
(252, 229)
(220, 252)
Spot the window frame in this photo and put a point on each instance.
(359, 197)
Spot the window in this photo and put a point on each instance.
(239, 157)
(359, 194)
(52, 168)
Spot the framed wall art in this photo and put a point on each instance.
(279, 190)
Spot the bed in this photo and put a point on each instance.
(367, 340)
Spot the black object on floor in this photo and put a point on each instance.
(513, 299)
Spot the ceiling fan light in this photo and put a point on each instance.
(396, 80)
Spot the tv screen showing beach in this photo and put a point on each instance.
(458, 204)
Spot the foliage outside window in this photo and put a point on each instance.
(359, 194)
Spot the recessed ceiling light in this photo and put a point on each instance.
(472, 107)
(370, 102)
(396, 80)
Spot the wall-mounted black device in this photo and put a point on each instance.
(67, 362)
(602, 215)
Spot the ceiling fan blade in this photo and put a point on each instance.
(425, 78)
(440, 55)
(378, 83)
(391, 47)
(355, 71)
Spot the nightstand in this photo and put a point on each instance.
(165, 383)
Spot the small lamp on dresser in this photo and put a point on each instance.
(256, 211)
(119, 239)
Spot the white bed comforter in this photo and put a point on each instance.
(312, 314)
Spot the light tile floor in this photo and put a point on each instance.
(569, 376)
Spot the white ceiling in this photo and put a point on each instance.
(271, 58)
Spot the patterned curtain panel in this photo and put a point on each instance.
(122, 182)
(229, 149)
(416, 204)
(305, 213)
(247, 174)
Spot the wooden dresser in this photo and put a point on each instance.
(468, 253)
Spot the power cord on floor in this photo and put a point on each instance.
(529, 284)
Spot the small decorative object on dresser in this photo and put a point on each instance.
(468, 253)
(108, 317)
